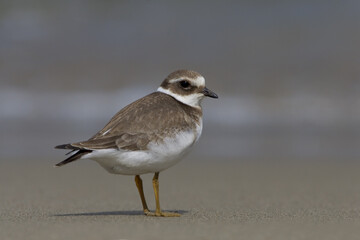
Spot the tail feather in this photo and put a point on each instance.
(67, 146)
(75, 156)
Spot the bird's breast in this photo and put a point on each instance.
(177, 144)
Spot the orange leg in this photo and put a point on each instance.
(139, 186)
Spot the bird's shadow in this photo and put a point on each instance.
(111, 213)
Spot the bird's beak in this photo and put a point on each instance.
(207, 92)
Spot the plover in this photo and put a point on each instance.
(150, 134)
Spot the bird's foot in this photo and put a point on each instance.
(161, 214)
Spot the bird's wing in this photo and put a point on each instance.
(123, 141)
(146, 115)
(133, 127)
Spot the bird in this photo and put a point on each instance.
(150, 134)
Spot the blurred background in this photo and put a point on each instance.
(287, 73)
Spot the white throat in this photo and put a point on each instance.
(193, 100)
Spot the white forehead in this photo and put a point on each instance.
(198, 81)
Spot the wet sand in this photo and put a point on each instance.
(232, 199)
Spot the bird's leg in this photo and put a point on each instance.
(155, 183)
(158, 211)
(139, 186)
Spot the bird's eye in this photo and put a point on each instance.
(184, 84)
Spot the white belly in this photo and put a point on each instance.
(157, 158)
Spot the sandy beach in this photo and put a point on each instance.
(230, 199)
(279, 151)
